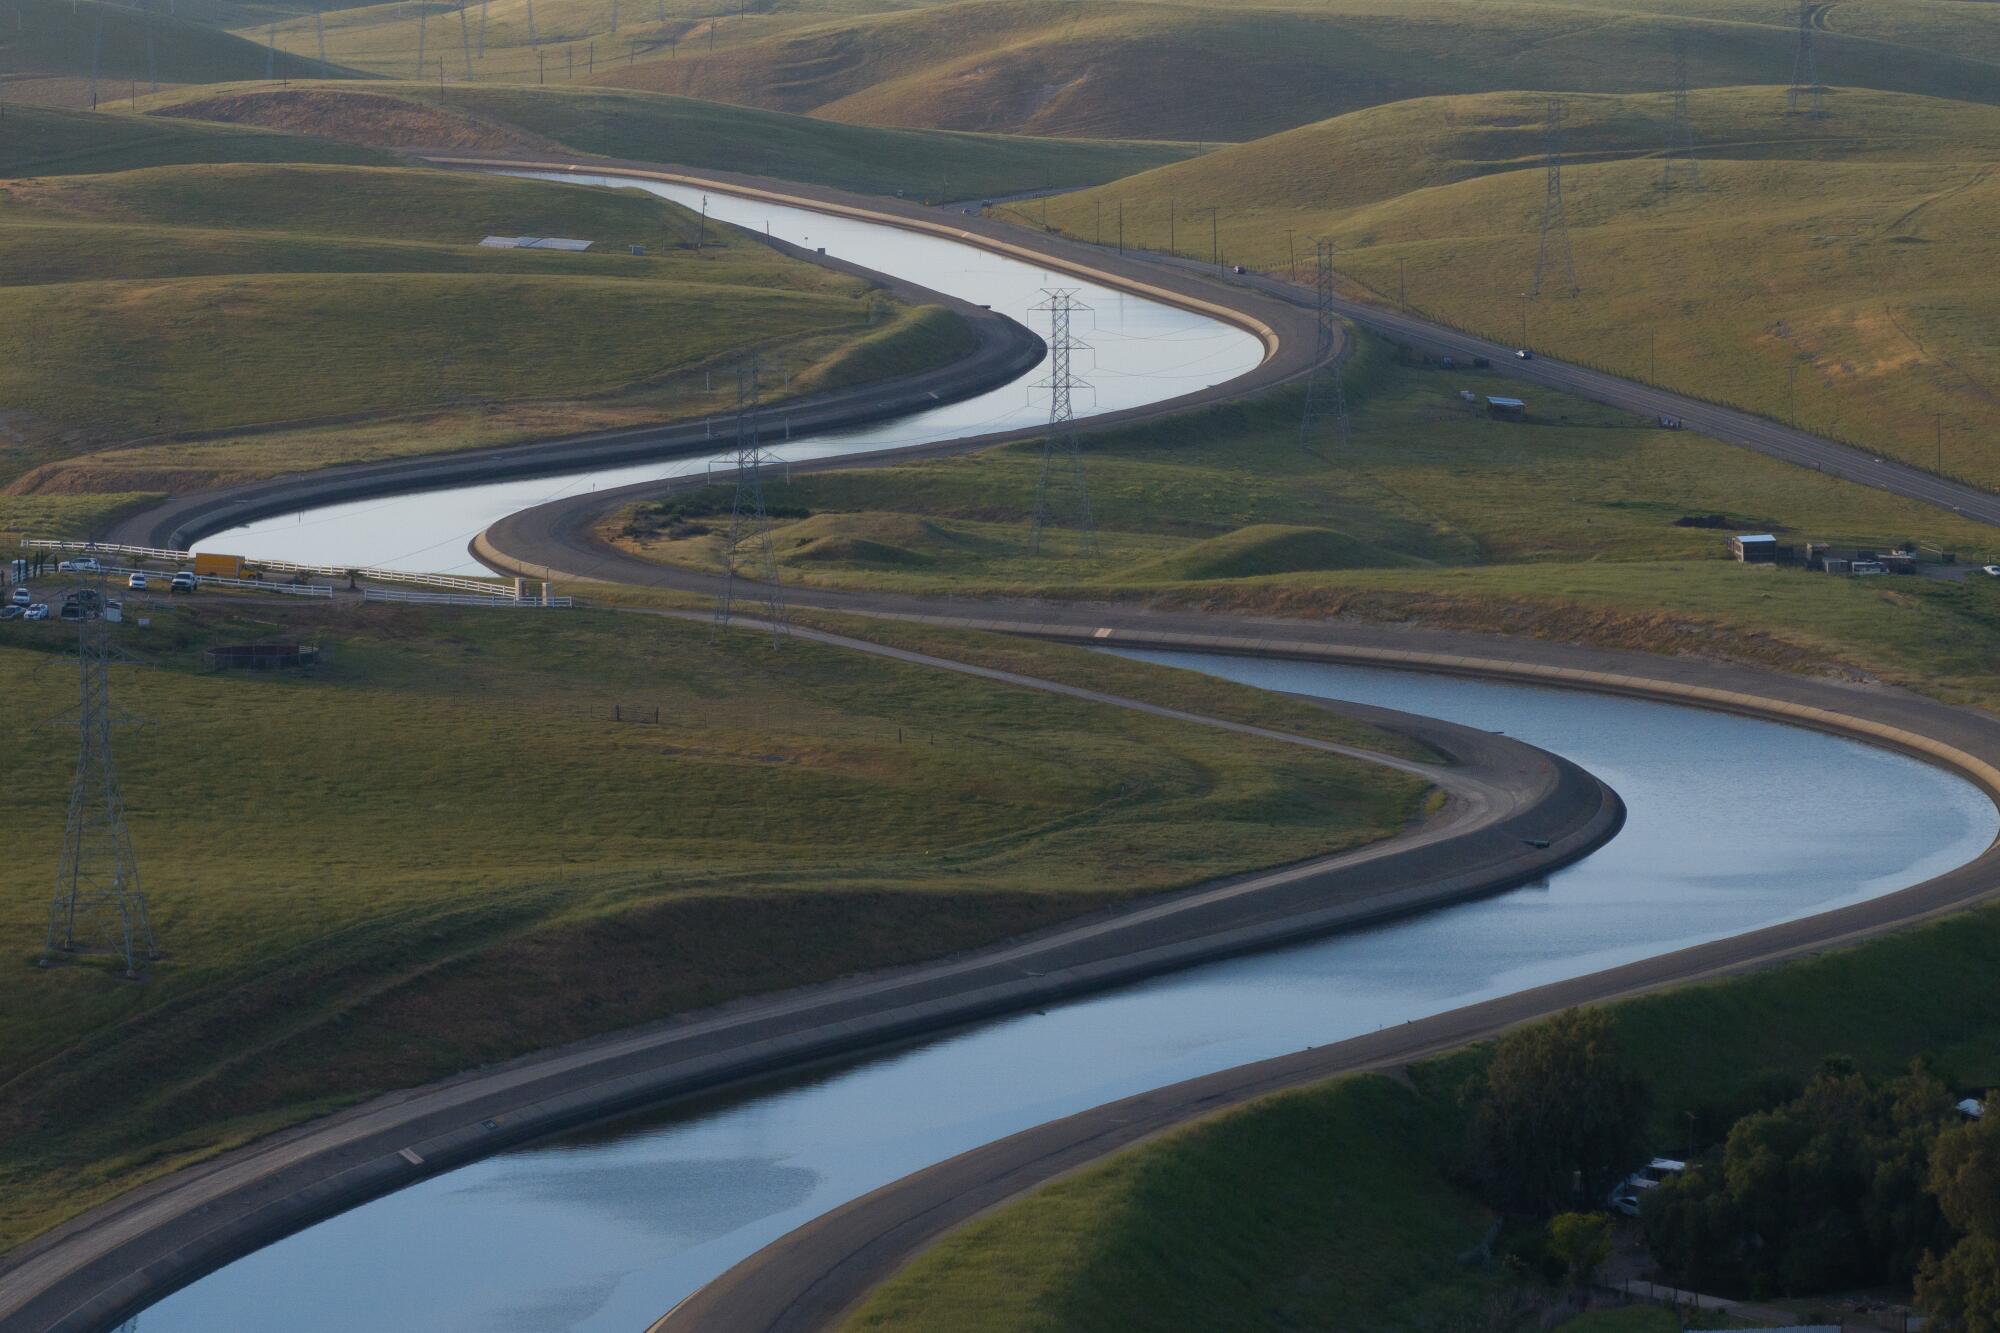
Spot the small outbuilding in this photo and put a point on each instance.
(1506, 409)
(1758, 548)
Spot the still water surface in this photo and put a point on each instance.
(1141, 351)
(605, 1230)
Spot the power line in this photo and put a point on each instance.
(749, 539)
(1062, 453)
(97, 880)
(1679, 161)
(1554, 250)
(1326, 396)
(1806, 86)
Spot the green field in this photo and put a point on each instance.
(52, 49)
(326, 313)
(440, 849)
(1836, 273)
(51, 141)
(1335, 1206)
(1568, 526)
(651, 127)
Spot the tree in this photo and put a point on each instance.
(1560, 1110)
(1961, 1290)
(1828, 1190)
(1582, 1241)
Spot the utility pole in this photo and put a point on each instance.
(1061, 451)
(1099, 237)
(97, 879)
(319, 32)
(749, 538)
(1121, 226)
(1291, 255)
(1553, 252)
(1940, 444)
(1806, 86)
(541, 71)
(423, 23)
(1173, 207)
(464, 39)
(1326, 396)
(1399, 279)
(1214, 240)
(533, 40)
(1679, 160)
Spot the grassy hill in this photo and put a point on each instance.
(1304, 1209)
(127, 43)
(1580, 523)
(50, 141)
(1211, 71)
(350, 899)
(654, 128)
(274, 317)
(1834, 271)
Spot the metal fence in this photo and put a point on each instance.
(397, 596)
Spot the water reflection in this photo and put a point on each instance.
(602, 1232)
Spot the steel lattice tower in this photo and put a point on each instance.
(1554, 251)
(1679, 160)
(1806, 86)
(97, 882)
(423, 21)
(1326, 396)
(319, 32)
(1062, 454)
(749, 539)
(152, 66)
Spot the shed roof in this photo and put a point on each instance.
(1747, 537)
(1504, 402)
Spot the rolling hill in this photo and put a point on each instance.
(52, 141)
(1163, 70)
(654, 128)
(1835, 271)
(185, 325)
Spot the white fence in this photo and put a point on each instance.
(157, 582)
(460, 599)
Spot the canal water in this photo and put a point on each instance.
(1140, 351)
(601, 1232)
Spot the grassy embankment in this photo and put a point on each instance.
(440, 849)
(53, 51)
(1566, 526)
(49, 141)
(321, 314)
(1837, 272)
(652, 127)
(1338, 1206)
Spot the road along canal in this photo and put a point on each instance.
(606, 1229)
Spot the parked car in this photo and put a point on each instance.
(182, 582)
(1238, 268)
(1524, 354)
(83, 564)
(1863, 568)
(1629, 1193)
(1993, 570)
(22, 597)
(137, 583)
(11, 611)
(39, 611)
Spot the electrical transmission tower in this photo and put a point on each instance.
(1554, 253)
(1806, 86)
(747, 552)
(1062, 456)
(1679, 162)
(97, 882)
(1326, 397)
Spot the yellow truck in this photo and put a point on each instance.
(218, 566)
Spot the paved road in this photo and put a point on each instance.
(1513, 813)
